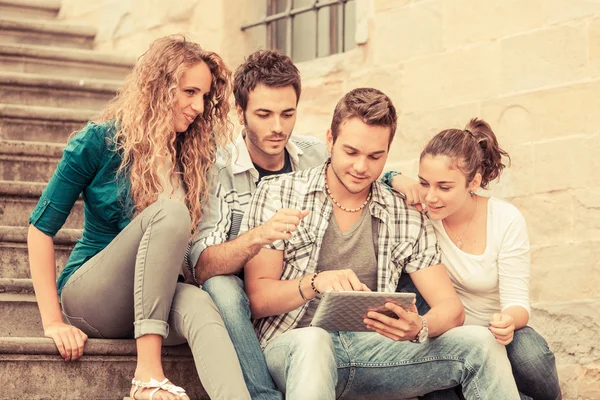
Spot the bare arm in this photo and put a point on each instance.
(43, 273)
(227, 258)
(519, 314)
(435, 286)
(230, 257)
(69, 340)
(269, 295)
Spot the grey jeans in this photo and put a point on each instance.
(130, 289)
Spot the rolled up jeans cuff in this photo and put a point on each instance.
(151, 327)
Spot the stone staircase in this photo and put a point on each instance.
(51, 83)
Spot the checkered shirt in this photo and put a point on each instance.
(405, 238)
(235, 180)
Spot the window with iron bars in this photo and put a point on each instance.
(308, 29)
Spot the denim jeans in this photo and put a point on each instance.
(227, 292)
(532, 362)
(370, 366)
(533, 365)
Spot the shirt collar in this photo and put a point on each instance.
(242, 161)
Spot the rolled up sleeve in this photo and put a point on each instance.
(214, 227)
(76, 169)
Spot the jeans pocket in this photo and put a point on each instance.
(82, 324)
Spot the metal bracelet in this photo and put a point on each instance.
(300, 289)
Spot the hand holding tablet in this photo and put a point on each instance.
(346, 310)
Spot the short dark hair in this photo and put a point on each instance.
(265, 67)
(369, 105)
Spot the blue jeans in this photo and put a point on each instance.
(228, 294)
(532, 362)
(308, 363)
(533, 365)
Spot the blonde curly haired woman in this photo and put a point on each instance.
(142, 169)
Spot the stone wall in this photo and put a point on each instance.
(531, 68)
(129, 26)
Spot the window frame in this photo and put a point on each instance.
(291, 12)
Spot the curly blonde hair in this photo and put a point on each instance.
(143, 115)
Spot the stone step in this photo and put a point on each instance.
(104, 371)
(45, 33)
(34, 9)
(14, 259)
(21, 286)
(59, 61)
(54, 91)
(41, 124)
(19, 315)
(17, 200)
(28, 161)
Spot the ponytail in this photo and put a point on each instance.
(474, 150)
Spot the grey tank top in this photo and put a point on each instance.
(353, 249)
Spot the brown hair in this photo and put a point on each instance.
(473, 150)
(265, 67)
(369, 105)
(145, 136)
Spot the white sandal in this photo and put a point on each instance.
(156, 385)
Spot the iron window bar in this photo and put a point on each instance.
(289, 13)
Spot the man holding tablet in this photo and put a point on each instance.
(353, 234)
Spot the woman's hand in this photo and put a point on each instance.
(410, 189)
(68, 339)
(502, 327)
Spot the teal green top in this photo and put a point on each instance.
(88, 167)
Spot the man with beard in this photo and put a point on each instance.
(353, 234)
(267, 89)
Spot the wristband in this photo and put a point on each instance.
(300, 289)
(388, 177)
(312, 283)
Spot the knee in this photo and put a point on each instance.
(177, 217)
(479, 341)
(314, 341)
(227, 291)
(193, 304)
(529, 348)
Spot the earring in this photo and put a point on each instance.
(471, 193)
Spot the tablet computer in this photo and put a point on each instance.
(345, 310)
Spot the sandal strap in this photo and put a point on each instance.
(156, 385)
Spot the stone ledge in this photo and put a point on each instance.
(93, 347)
(14, 285)
(50, 5)
(31, 149)
(61, 83)
(46, 113)
(66, 54)
(18, 234)
(33, 369)
(47, 27)
(22, 189)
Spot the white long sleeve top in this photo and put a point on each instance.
(498, 278)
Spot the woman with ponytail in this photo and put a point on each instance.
(142, 169)
(484, 245)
